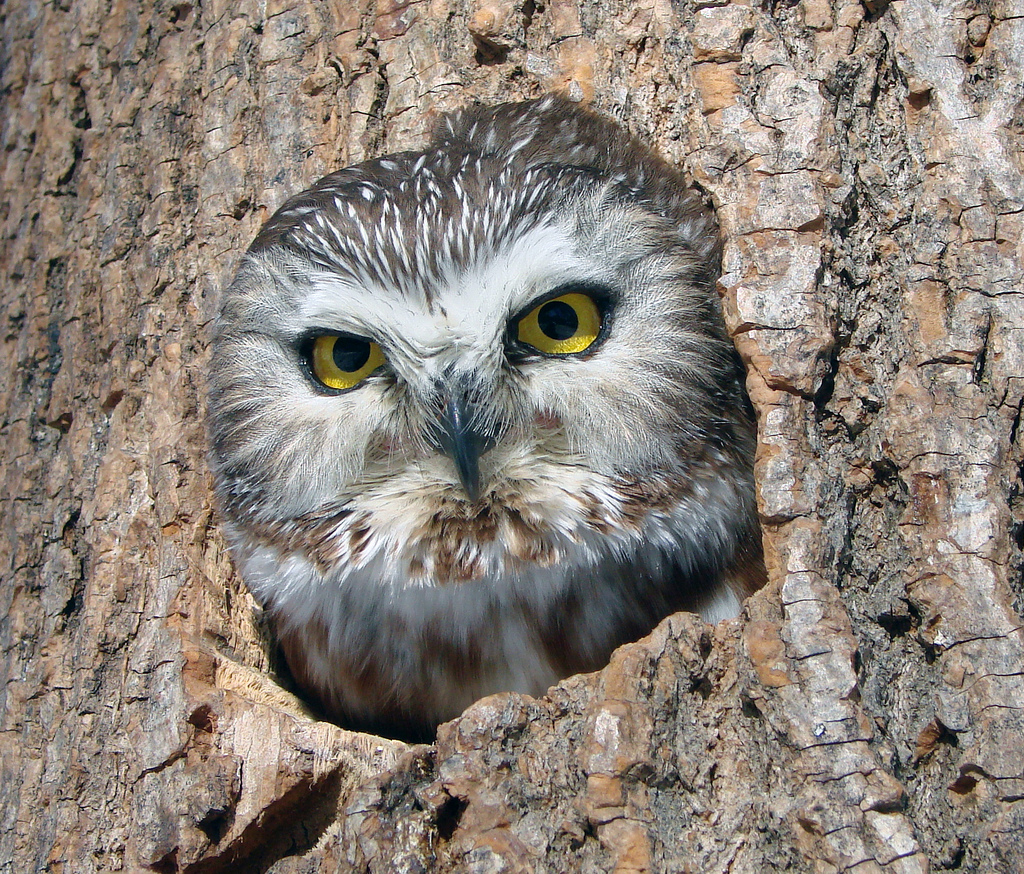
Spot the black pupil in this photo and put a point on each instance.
(351, 353)
(558, 320)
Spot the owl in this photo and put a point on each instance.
(475, 420)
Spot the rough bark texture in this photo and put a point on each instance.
(867, 711)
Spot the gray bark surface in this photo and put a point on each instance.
(865, 713)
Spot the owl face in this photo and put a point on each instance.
(484, 366)
(560, 345)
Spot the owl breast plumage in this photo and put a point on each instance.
(474, 417)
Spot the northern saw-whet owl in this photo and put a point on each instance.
(475, 419)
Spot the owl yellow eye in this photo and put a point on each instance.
(342, 362)
(563, 325)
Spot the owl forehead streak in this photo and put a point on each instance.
(410, 220)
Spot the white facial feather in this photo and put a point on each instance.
(464, 320)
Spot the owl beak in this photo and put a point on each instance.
(462, 440)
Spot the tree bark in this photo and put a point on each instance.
(866, 711)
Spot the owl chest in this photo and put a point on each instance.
(433, 650)
(383, 616)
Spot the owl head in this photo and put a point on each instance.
(479, 361)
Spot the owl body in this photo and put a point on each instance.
(474, 417)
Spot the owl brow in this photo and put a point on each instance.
(603, 295)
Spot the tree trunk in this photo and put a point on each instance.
(865, 713)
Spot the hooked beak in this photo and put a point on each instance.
(463, 440)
